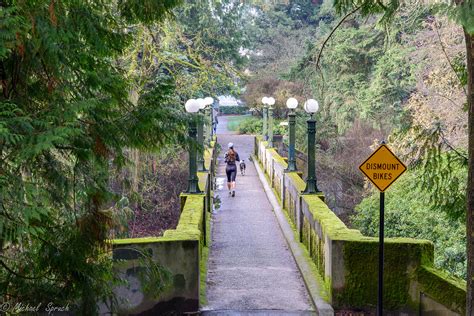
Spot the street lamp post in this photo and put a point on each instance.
(311, 106)
(208, 125)
(208, 114)
(200, 137)
(271, 101)
(265, 116)
(192, 106)
(292, 104)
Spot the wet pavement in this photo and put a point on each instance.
(251, 269)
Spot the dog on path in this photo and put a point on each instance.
(242, 167)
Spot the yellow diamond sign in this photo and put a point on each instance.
(382, 168)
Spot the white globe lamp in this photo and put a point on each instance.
(292, 103)
(208, 100)
(202, 103)
(311, 106)
(192, 106)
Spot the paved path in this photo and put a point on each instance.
(250, 265)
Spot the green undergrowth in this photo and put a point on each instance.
(233, 122)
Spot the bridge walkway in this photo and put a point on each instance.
(251, 269)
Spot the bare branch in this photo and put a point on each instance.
(447, 57)
(332, 32)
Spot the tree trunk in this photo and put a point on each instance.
(470, 179)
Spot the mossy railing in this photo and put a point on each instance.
(178, 252)
(348, 261)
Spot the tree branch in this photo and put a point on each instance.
(15, 273)
(447, 57)
(332, 32)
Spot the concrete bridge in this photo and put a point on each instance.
(272, 251)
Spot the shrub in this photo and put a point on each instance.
(254, 126)
(233, 110)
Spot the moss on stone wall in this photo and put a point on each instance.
(277, 157)
(361, 272)
(297, 181)
(444, 289)
(203, 267)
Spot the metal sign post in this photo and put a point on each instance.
(382, 168)
(381, 254)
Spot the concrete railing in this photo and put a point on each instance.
(347, 261)
(177, 252)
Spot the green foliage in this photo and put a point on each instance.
(65, 120)
(410, 212)
(462, 13)
(238, 110)
(359, 78)
(367, 7)
(444, 178)
(253, 126)
(391, 82)
(216, 26)
(233, 122)
(459, 65)
(146, 11)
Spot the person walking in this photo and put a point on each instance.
(214, 123)
(231, 156)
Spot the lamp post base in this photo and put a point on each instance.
(311, 187)
(291, 167)
(193, 187)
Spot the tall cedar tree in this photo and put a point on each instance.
(65, 120)
(463, 12)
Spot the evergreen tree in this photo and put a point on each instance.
(65, 120)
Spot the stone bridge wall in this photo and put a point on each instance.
(178, 251)
(348, 261)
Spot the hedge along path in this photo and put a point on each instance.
(250, 265)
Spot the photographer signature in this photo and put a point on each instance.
(20, 307)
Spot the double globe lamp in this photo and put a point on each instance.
(196, 135)
(268, 119)
(311, 106)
